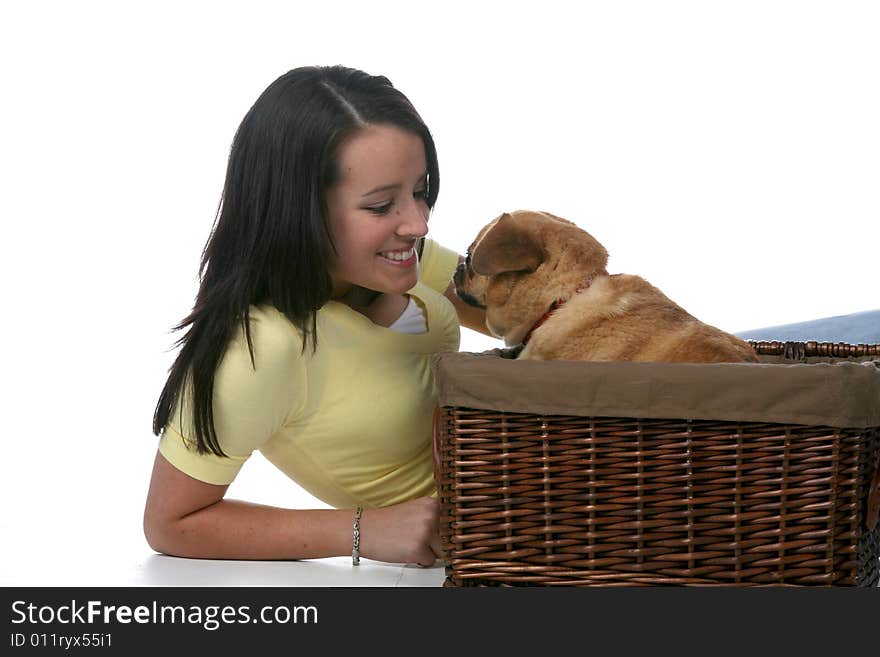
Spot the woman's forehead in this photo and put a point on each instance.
(381, 155)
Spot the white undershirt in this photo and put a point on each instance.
(411, 320)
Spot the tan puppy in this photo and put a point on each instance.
(543, 284)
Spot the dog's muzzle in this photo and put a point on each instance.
(458, 279)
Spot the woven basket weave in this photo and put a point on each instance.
(605, 496)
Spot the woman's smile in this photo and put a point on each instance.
(405, 258)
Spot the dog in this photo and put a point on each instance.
(543, 284)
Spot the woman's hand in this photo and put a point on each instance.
(403, 533)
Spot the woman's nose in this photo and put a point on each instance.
(414, 219)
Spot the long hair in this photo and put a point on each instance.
(270, 242)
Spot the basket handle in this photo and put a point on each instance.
(874, 500)
(436, 435)
(435, 444)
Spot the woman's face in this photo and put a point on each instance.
(378, 210)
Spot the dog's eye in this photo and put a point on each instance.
(467, 259)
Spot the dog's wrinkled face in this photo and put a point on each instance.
(520, 263)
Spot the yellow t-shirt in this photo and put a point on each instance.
(350, 423)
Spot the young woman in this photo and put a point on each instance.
(320, 306)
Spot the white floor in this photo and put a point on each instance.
(85, 570)
(91, 538)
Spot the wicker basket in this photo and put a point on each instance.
(636, 474)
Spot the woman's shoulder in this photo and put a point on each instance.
(437, 264)
(272, 326)
(252, 398)
(275, 345)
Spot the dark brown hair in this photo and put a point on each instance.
(270, 242)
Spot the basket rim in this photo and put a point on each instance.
(799, 350)
(839, 394)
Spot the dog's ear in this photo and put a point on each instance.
(507, 246)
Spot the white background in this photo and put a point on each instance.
(726, 151)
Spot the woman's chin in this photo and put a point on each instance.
(400, 284)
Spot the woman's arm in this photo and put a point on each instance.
(188, 518)
(468, 316)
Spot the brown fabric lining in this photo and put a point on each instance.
(834, 394)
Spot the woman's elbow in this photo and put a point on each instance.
(172, 500)
(158, 534)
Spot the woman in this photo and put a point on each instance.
(312, 334)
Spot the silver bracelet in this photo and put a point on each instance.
(356, 545)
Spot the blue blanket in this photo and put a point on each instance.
(857, 328)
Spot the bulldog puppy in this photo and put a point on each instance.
(543, 284)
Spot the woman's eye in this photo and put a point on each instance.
(421, 195)
(380, 209)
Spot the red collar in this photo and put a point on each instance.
(558, 304)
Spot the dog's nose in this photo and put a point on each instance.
(459, 273)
